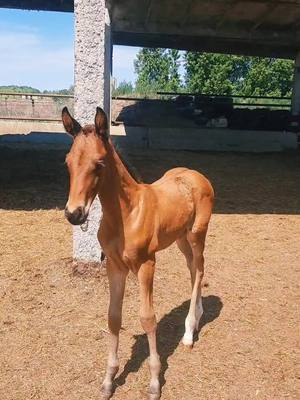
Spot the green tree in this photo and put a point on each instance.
(18, 89)
(228, 74)
(157, 69)
(29, 89)
(208, 73)
(69, 91)
(124, 89)
(267, 76)
(174, 82)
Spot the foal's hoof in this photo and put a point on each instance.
(106, 392)
(188, 347)
(154, 396)
(106, 395)
(188, 343)
(154, 392)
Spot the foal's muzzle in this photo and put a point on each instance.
(77, 217)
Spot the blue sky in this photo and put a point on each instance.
(36, 50)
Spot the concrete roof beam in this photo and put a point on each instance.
(269, 28)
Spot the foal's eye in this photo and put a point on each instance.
(100, 164)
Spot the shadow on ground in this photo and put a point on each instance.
(244, 183)
(33, 179)
(170, 331)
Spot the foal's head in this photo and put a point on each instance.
(86, 162)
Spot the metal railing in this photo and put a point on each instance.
(47, 107)
(54, 95)
(286, 101)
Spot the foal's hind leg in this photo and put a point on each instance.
(196, 241)
(186, 250)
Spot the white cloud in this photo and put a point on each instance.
(28, 59)
(15, 41)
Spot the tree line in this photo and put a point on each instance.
(29, 89)
(170, 70)
(208, 73)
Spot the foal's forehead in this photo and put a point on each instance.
(88, 130)
(87, 144)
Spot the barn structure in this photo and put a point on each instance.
(268, 28)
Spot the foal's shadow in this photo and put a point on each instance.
(170, 330)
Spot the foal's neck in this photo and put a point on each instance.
(119, 189)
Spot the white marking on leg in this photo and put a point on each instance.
(199, 311)
(190, 325)
(192, 322)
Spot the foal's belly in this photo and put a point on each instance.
(175, 214)
(157, 224)
(173, 224)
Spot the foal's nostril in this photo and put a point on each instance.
(79, 212)
(76, 217)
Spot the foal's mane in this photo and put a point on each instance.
(131, 170)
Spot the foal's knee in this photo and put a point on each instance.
(114, 322)
(148, 323)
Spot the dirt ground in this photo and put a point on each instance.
(53, 329)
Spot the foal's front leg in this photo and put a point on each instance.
(117, 278)
(148, 321)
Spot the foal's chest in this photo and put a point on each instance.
(127, 247)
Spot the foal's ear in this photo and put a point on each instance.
(101, 124)
(70, 124)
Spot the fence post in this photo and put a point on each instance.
(295, 105)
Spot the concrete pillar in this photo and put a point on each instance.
(92, 89)
(295, 107)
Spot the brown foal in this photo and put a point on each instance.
(138, 220)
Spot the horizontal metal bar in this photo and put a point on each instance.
(235, 103)
(37, 95)
(30, 119)
(223, 95)
(131, 98)
(145, 99)
(261, 105)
